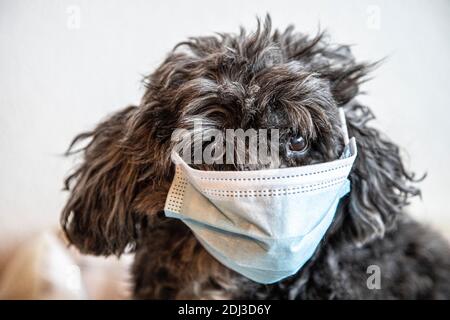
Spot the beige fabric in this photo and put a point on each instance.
(44, 267)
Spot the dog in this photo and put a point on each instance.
(264, 79)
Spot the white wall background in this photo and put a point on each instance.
(65, 64)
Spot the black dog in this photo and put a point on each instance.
(117, 194)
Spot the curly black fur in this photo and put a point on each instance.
(266, 79)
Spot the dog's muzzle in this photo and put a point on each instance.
(264, 224)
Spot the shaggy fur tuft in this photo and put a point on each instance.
(265, 79)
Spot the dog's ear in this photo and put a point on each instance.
(117, 189)
(97, 217)
(381, 186)
(126, 169)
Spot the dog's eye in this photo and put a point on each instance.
(298, 145)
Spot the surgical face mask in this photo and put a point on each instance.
(264, 224)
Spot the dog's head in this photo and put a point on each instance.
(265, 79)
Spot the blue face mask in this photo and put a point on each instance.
(264, 224)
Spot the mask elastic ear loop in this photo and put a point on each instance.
(343, 125)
